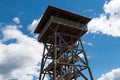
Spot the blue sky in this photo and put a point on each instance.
(20, 53)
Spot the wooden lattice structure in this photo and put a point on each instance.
(64, 57)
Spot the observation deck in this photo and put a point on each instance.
(61, 21)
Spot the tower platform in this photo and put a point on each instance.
(64, 21)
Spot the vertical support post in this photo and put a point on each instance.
(55, 54)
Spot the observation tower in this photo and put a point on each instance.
(64, 57)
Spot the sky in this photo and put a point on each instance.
(20, 53)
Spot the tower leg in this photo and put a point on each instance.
(55, 56)
(85, 56)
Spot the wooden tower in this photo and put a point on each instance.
(64, 57)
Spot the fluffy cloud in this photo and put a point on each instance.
(19, 54)
(16, 20)
(112, 7)
(112, 75)
(108, 22)
(31, 27)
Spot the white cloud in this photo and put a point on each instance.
(89, 10)
(108, 22)
(112, 7)
(87, 43)
(112, 75)
(24, 77)
(33, 25)
(90, 44)
(20, 58)
(16, 20)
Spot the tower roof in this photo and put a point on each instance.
(53, 11)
